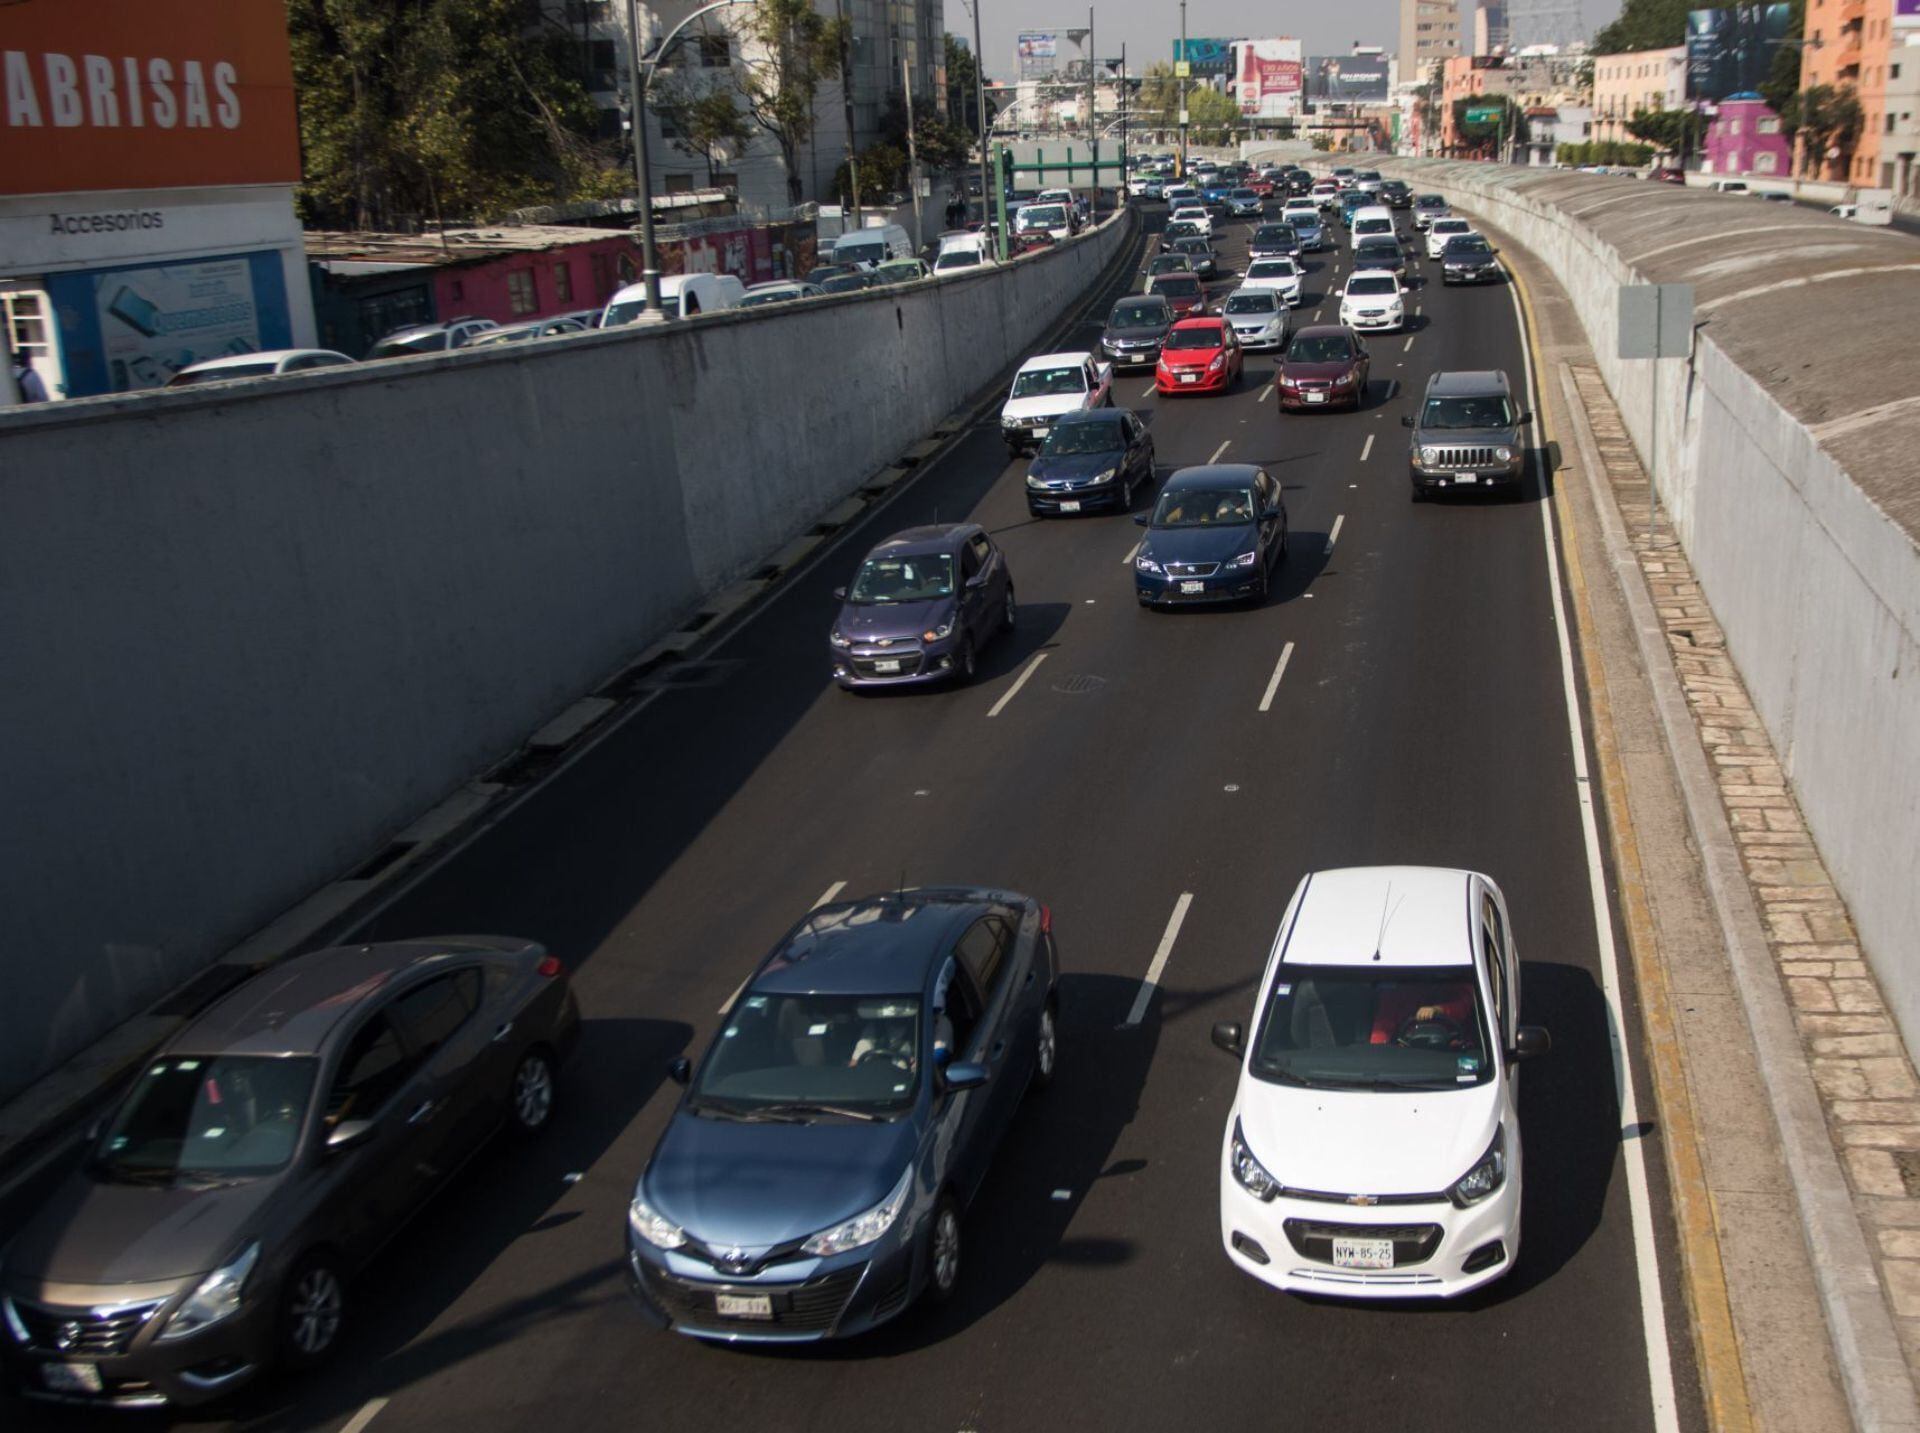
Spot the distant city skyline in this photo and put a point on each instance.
(1149, 27)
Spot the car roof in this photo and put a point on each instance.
(1054, 360)
(1209, 475)
(265, 355)
(1110, 416)
(929, 537)
(293, 1007)
(880, 945)
(1382, 915)
(1187, 325)
(1467, 381)
(1322, 330)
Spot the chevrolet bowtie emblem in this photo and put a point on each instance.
(1363, 1201)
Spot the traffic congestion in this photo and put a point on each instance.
(908, 1124)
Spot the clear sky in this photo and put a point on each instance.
(1149, 27)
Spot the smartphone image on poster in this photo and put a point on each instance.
(135, 312)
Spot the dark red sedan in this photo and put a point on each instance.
(1184, 293)
(1201, 355)
(1324, 367)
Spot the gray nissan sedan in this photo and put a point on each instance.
(265, 1155)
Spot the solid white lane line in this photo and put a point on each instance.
(1366, 448)
(1014, 690)
(825, 896)
(829, 893)
(1263, 394)
(365, 1416)
(1409, 347)
(1653, 1315)
(1219, 450)
(1338, 522)
(1133, 552)
(1286, 655)
(1154, 971)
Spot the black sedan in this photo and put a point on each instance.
(1469, 259)
(1200, 254)
(1380, 253)
(1093, 459)
(1135, 330)
(1271, 241)
(265, 1154)
(1396, 195)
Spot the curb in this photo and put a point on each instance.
(1702, 1276)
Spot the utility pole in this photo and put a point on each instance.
(913, 154)
(1093, 108)
(846, 96)
(642, 175)
(1183, 88)
(980, 112)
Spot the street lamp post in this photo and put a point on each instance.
(980, 112)
(643, 68)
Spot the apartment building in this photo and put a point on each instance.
(1429, 34)
(1625, 84)
(1852, 48)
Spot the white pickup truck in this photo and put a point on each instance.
(1046, 389)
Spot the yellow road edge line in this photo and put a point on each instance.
(1703, 1277)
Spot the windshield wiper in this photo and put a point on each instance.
(810, 1107)
(118, 1174)
(743, 1114)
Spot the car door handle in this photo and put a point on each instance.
(502, 1033)
(424, 1113)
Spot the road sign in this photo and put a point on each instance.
(1483, 114)
(1656, 321)
(1182, 69)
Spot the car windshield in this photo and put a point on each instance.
(1138, 315)
(1169, 264)
(1259, 301)
(188, 377)
(1388, 252)
(1488, 411)
(826, 271)
(958, 259)
(435, 341)
(1045, 382)
(1182, 229)
(1272, 269)
(1449, 226)
(1178, 286)
(1319, 348)
(1208, 337)
(1371, 285)
(1096, 436)
(1042, 216)
(870, 252)
(1243, 194)
(1467, 246)
(198, 1118)
(1204, 507)
(1194, 248)
(1365, 1027)
(800, 1057)
(1273, 234)
(1430, 201)
(919, 577)
(846, 283)
(773, 296)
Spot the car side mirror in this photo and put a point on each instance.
(1142, 519)
(963, 1075)
(979, 579)
(1231, 1036)
(680, 1069)
(1269, 514)
(839, 594)
(1523, 419)
(1528, 1041)
(348, 1134)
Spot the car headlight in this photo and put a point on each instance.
(1006, 422)
(934, 634)
(1143, 562)
(1429, 455)
(1245, 559)
(1219, 361)
(1503, 455)
(217, 1297)
(840, 639)
(1489, 1172)
(1251, 1173)
(1105, 475)
(649, 1227)
(862, 1228)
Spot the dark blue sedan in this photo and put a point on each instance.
(813, 1180)
(1216, 535)
(1096, 458)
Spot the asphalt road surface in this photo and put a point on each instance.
(1420, 718)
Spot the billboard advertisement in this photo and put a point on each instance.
(1268, 76)
(146, 94)
(1038, 52)
(1906, 14)
(1730, 50)
(1347, 79)
(136, 326)
(1211, 59)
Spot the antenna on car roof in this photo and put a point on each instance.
(1385, 915)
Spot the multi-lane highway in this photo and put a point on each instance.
(1121, 765)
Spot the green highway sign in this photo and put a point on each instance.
(1483, 114)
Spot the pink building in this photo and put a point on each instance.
(1745, 138)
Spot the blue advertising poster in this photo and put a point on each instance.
(136, 326)
(1209, 58)
(1730, 50)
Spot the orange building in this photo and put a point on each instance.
(1849, 47)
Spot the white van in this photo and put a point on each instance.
(963, 251)
(681, 296)
(1372, 221)
(864, 248)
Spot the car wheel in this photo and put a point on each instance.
(532, 1106)
(1009, 611)
(1047, 1050)
(964, 673)
(313, 1310)
(1286, 537)
(943, 1251)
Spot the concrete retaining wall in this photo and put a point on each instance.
(248, 634)
(1787, 454)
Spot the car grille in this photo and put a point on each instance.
(98, 1333)
(1463, 458)
(1412, 1243)
(1192, 569)
(909, 659)
(812, 1307)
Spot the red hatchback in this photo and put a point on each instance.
(1201, 355)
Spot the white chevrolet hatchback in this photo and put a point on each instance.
(1373, 1147)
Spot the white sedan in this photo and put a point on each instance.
(1195, 214)
(1280, 274)
(1373, 1146)
(1373, 302)
(1441, 230)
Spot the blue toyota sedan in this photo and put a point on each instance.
(813, 1180)
(1216, 535)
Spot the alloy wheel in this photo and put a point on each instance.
(533, 1092)
(946, 1250)
(315, 1310)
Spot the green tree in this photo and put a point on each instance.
(1645, 25)
(1489, 136)
(883, 170)
(1782, 83)
(1828, 117)
(962, 92)
(1669, 131)
(796, 49)
(1211, 115)
(707, 120)
(942, 146)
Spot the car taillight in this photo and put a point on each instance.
(549, 966)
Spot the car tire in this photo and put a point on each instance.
(313, 1311)
(1009, 611)
(530, 1100)
(1046, 1060)
(963, 674)
(943, 1251)
(1286, 539)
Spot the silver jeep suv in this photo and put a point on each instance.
(1467, 434)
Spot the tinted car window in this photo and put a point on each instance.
(371, 1072)
(194, 1117)
(429, 1015)
(984, 949)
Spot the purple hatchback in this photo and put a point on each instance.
(922, 605)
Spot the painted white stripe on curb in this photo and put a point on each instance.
(1159, 965)
(1014, 690)
(1286, 655)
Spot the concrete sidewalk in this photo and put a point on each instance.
(1793, 1329)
